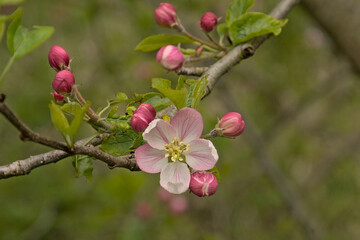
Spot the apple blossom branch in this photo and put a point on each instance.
(213, 73)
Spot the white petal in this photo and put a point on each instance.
(159, 133)
(202, 155)
(149, 159)
(188, 124)
(175, 177)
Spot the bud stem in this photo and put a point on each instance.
(6, 69)
(213, 40)
(90, 112)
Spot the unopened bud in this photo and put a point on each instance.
(142, 117)
(63, 82)
(58, 58)
(208, 21)
(58, 97)
(203, 184)
(165, 15)
(231, 125)
(170, 57)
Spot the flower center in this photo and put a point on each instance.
(175, 150)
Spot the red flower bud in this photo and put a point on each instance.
(203, 184)
(208, 21)
(165, 15)
(58, 97)
(142, 117)
(170, 57)
(231, 124)
(63, 82)
(58, 58)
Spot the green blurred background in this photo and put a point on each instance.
(299, 98)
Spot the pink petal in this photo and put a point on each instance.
(202, 155)
(175, 177)
(188, 124)
(149, 159)
(159, 133)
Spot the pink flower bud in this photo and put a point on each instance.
(231, 124)
(142, 117)
(178, 205)
(63, 82)
(165, 15)
(170, 57)
(58, 58)
(203, 184)
(208, 21)
(58, 97)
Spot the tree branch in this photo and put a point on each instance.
(213, 74)
(192, 71)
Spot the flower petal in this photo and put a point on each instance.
(159, 133)
(188, 124)
(202, 155)
(149, 159)
(175, 177)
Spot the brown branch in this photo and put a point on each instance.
(192, 71)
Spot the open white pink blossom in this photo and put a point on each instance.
(172, 147)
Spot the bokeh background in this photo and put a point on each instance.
(296, 165)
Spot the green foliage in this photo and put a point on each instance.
(177, 96)
(155, 42)
(236, 9)
(122, 142)
(222, 30)
(188, 93)
(251, 25)
(13, 27)
(68, 131)
(83, 166)
(11, 2)
(159, 102)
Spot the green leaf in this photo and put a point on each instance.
(178, 97)
(120, 96)
(181, 82)
(196, 92)
(155, 42)
(159, 102)
(83, 166)
(236, 9)
(71, 108)
(119, 144)
(216, 173)
(25, 41)
(222, 30)
(78, 119)
(251, 25)
(2, 29)
(12, 29)
(60, 122)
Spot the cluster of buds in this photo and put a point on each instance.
(203, 184)
(142, 117)
(64, 80)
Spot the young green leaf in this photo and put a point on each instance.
(12, 29)
(83, 166)
(77, 120)
(121, 143)
(155, 42)
(25, 41)
(178, 97)
(236, 9)
(222, 30)
(251, 25)
(196, 92)
(60, 122)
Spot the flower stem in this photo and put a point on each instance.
(213, 40)
(6, 69)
